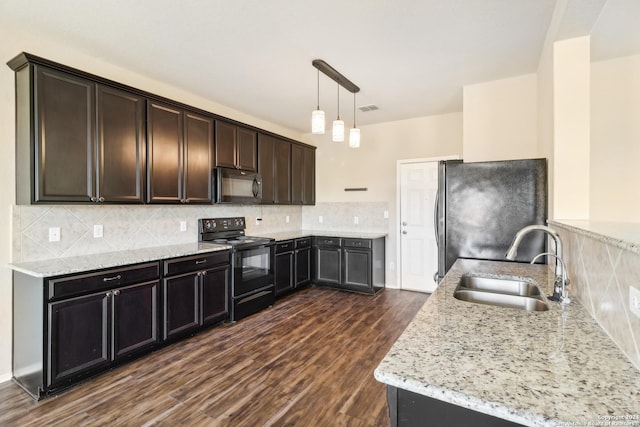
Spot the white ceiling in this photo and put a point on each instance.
(411, 58)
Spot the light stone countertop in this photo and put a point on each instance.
(548, 368)
(289, 235)
(77, 264)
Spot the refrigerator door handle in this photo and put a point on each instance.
(435, 218)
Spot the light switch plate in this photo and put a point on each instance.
(183, 225)
(386, 214)
(634, 300)
(320, 219)
(98, 231)
(287, 219)
(356, 220)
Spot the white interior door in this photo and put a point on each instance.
(418, 249)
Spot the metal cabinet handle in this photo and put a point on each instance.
(116, 292)
(110, 279)
(204, 273)
(201, 261)
(109, 294)
(93, 198)
(101, 199)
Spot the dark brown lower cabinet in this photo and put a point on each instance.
(302, 262)
(409, 409)
(284, 267)
(195, 290)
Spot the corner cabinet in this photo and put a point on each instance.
(180, 144)
(352, 264)
(77, 140)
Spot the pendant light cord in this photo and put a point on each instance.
(318, 81)
(354, 110)
(338, 101)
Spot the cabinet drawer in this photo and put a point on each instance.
(194, 263)
(286, 246)
(327, 241)
(109, 279)
(303, 243)
(357, 243)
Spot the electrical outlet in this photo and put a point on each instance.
(183, 225)
(320, 219)
(98, 231)
(386, 214)
(392, 266)
(286, 219)
(258, 221)
(356, 220)
(54, 234)
(634, 300)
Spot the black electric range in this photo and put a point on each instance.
(252, 261)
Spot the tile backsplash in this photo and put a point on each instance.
(601, 272)
(339, 216)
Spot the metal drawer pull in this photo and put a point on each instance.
(110, 279)
(201, 261)
(116, 292)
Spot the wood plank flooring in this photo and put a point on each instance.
(308, 361)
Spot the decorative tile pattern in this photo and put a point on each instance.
(339, 216)
(601, 270)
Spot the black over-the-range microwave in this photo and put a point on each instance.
(237, 186)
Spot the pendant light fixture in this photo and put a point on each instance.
(317, 116)
(338, 125)
(337, 131)
(354, 132)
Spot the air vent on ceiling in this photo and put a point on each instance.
(370, 107)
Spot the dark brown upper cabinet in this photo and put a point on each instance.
(303, 175)
(180, 145)
(274, 158)
(84, 144)
(236, 147)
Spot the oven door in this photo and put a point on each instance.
(252, 269)
(237, 186)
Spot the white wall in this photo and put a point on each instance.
(373, 166)
(615, 140)
(500, 119)
(14, 41)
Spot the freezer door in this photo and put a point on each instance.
(482, 206)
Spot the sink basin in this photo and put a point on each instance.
(501, 292)
(501, 300)
(500, 285)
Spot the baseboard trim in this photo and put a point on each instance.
(4, 378)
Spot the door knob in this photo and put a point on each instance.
(404, 231)
(404, 223)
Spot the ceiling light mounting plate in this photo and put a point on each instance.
(333, 74)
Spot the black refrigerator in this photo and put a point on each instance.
(481, 206)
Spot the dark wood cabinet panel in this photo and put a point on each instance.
(303, 267)
(198, 163)
(65, 137)
(215, 285)
(282, 171)
(284, 272)
(79, 329)
(247, 149)
(266, 168)
(328, 265)
(121, 146)
(236, 147)
(357, 267)
(135, 318)
(302, 175)
(181, 297)
(165, 153)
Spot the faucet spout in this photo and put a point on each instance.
(513, 249)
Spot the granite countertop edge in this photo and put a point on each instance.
(298, 234)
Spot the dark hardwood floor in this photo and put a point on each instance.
(308, 361)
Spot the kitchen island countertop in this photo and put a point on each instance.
(76, 264)
(535, 368)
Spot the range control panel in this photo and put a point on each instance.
(222, 224)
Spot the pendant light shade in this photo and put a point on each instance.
(354, 132)
(338, 125)
(317, 116)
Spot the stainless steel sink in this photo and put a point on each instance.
(501, 292)
(500, 285)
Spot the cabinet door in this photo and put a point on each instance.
(357, 268)
(135, 318)
(309, 176)
(297, 177)
(283, 171)
(266, 165)
(198, 140)
(247, 150)
(79, 331)
(284, 272)
(226, 145)
(181, 304)
(121, 146)
(328, 265)
(165, 152)
(215, 285)
(65, 137)
(303, 267)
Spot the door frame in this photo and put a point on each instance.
(396, 229)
